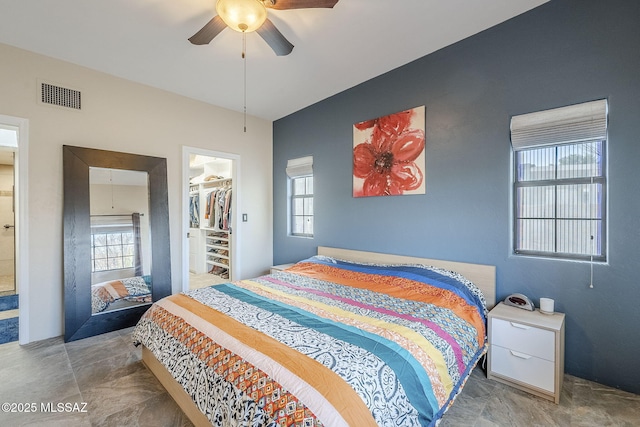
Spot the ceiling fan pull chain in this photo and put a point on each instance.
(244, 62)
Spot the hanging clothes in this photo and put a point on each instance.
(211, 208)
(218, 208)
(226, 212)
(194, 211)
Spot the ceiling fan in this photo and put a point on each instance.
(251, 15)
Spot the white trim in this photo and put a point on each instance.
(21, 223)
(235, 204)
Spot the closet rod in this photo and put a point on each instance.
(118, 214)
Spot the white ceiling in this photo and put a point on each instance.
(335, 49)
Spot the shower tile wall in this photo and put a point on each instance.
(6, 234)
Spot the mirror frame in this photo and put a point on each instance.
(78, 320)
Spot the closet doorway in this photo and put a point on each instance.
(211, 200)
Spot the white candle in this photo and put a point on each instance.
(546, 305)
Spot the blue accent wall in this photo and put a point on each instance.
(563, 52)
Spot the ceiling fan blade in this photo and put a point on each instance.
(209, 31)
(274, 38)
(300, 4)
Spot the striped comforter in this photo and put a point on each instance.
(323, 343)
(134, 289)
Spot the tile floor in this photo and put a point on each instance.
(487, 403)
(106, 373)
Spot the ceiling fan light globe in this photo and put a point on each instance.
(243, 16)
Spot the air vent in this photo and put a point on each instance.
(60, 96)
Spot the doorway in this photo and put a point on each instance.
(7, 219)
(210, 188)
(9, 292)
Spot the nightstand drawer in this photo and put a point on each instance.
(523, 367)
(523, 338)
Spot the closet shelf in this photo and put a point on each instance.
(216, 230)
(219, 264)
(216, 183)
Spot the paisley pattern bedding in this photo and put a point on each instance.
(134, 289)
(323, 343)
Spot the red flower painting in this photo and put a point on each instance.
(388, 155)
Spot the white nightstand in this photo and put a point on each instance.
(526, 350)
(280, 267)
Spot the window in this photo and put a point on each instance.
(115, 242)
(112, 250)
(560, 182)
(302, 206)
(300, 172)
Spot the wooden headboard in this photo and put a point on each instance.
(483, 276)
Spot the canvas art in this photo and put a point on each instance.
(389, 155)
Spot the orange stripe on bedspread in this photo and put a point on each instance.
(116, 289)
(333, 388)
(397, 287)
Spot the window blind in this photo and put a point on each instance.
(302, 166)
(111, 223)
(574, 123)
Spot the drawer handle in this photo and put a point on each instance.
(520, 355)
(519, 326)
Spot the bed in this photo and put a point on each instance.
(120, 293)
(343, 338)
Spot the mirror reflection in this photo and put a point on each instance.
(120, 239)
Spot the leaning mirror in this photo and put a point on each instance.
(116, 229)
(120, 239)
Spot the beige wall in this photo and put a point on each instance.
(124, 116)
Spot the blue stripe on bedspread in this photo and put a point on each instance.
(410, 373)
(463, 379)
(419, 274)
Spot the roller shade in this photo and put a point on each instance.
(111, 223)
(574, 123)
(302, 166)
